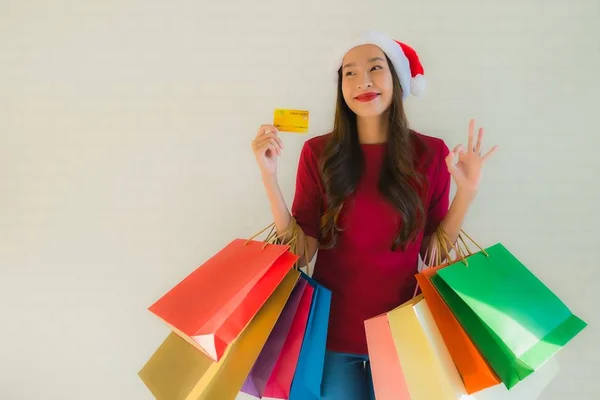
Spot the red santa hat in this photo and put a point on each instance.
(404, 58)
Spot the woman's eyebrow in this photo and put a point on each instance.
(370, 60)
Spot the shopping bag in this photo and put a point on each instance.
(419, 358)
(388, 378)
(280, 381)
(306, 384)
(262, 369)
(422, 354)
(516, 321)
(475, 372)
(178, 371)
(212, 305)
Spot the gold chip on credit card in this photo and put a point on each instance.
(291, 120)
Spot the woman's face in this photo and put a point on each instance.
(367, 83)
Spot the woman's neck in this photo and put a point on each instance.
(372, 130)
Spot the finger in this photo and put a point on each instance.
(450, 162)
(265, 137)
(471, 129)
(265, 148)
(273, 149)
(274, 143)
(279, 141)
(458, 149)
(266, 129)
(479, 140)
(452, 168)
(274, 135)
(489, 153)
(271, 143)
(258, 143)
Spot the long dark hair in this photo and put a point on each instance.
(400, 183)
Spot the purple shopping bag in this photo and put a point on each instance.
(265, 363)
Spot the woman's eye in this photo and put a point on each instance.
(375, 67)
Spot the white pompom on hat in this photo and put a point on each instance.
(403, 57)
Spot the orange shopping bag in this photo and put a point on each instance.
(212, 305)
(474, 370)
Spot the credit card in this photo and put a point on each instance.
(291, 120)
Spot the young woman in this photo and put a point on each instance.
(369, 195)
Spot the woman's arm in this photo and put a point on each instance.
(267, 147)
(283, 219)
(453, 220)
(457, 212)
(467, 175)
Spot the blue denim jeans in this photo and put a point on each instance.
(347, 377)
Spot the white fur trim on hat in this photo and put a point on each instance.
(391, 48)
(418, 85)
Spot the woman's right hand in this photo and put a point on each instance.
(267, 147)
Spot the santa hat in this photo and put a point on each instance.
(404, 58)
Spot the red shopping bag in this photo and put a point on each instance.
(212, 305)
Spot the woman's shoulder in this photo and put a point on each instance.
(432, 143)
(315, 145)
(318, 142)
(429, 149)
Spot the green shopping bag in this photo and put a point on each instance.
(516, 321)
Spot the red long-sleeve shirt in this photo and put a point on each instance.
(365, 277)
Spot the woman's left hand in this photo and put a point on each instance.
(467, 172)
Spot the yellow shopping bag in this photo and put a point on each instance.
(179, 371)
(423, 358)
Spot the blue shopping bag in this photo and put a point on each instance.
(309, 371)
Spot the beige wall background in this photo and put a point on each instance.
(125, 159)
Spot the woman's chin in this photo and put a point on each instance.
(368, 111)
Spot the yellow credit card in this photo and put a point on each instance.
(291, 120)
